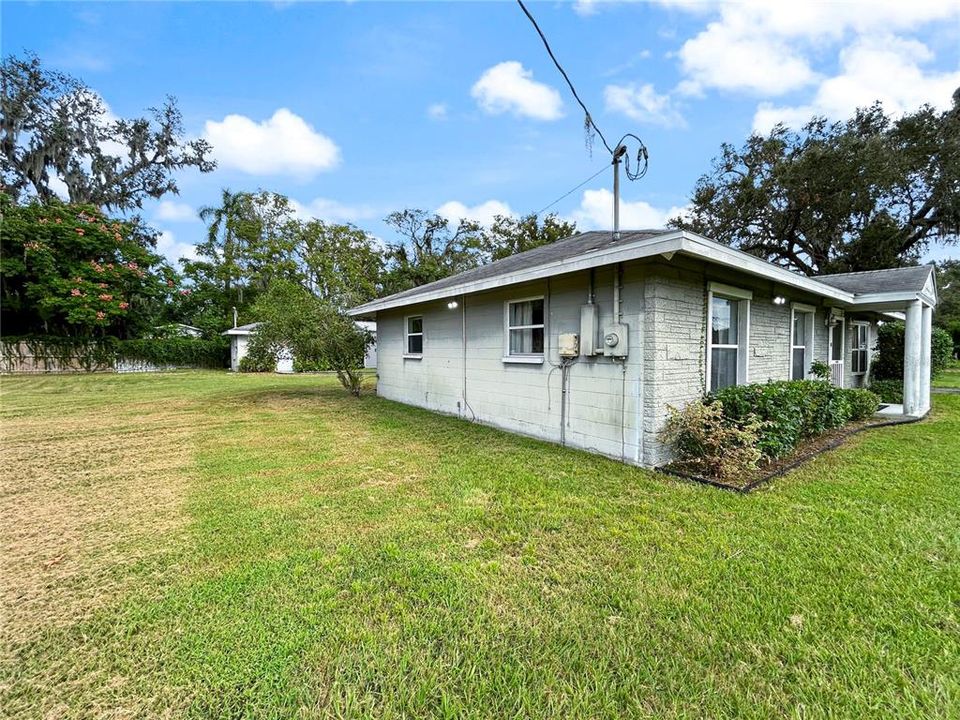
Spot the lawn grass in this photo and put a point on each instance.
(221, 546)
(949, 378)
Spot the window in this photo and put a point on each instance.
(525, 327)
(801, 341)
(729, 329)
(858, 354)
(414, 335)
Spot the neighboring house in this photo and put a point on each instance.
(370, 357)
(240, 343)
(240, 340)
(588, 341)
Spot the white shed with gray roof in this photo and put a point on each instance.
(587, 341)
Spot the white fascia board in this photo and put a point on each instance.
(665, 245)
(605, 256)
(860, 302)
(714, 252)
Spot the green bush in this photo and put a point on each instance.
(790, 410)
(254, 363)
(310, 365)
(820, 370)
(888, 362)
(176, 351)
(708, 443)
(889, 391)
(863, 403)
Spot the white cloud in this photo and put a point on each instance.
(887, 69)
(585, 7)
(484, 213)
(284, 144)
(508, 87)
(173, 249)
(643, 104)
(727, 60)
(596, 213)
(768, 48)
(437, 111)
(333, 210)
(172, 211)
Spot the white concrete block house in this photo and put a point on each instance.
(587, 341)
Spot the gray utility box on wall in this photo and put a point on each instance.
(616, 340)
(589, 320)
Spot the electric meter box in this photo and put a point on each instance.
(569, 345)
(589, 321)
(615, 341)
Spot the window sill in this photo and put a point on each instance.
(411, 356)
(522, 360)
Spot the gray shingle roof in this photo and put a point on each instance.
(561, 250)
(905, 279)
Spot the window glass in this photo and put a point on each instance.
(836, 351)
(799, 328)
(415, 335)
(725, 321)
(799, 363)
(723, 368)
(525, 327)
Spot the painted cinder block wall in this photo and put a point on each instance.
(616, 409)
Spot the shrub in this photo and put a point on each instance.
(863, 403)
(254, 363)
(176, 351)
(820, 370)
(889, 391)
(888, 362)
(708, 443)
(789, 410)
(310, 365)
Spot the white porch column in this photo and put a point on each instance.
(911, 359)
(926, 324)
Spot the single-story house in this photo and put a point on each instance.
(240, 343)
(370, 356)
(588, 341)
(240, 340)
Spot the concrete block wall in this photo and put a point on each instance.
(604, 411)
(616, 409)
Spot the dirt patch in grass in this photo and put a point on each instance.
(84, 499)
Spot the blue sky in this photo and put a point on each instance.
(357, 109)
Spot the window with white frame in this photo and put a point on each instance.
(801, 341)
(859, 356)
(525, 327)
(414, 331)
(728, 336)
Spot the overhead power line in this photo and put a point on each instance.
(571, 191)
(589, 117)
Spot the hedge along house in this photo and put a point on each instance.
(588, 341)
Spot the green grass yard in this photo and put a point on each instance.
(949, 378)
(210, 545)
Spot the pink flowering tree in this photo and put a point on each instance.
(70, 270)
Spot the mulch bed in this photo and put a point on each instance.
(804, 452)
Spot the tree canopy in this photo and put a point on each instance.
(69, 270)
(871, 192)
(293, 318)
(508, 236)
(55, 128)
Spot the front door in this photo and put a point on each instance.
(836, 353)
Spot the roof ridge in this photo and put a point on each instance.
(877, 270)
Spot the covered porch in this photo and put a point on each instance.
(909, 293)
